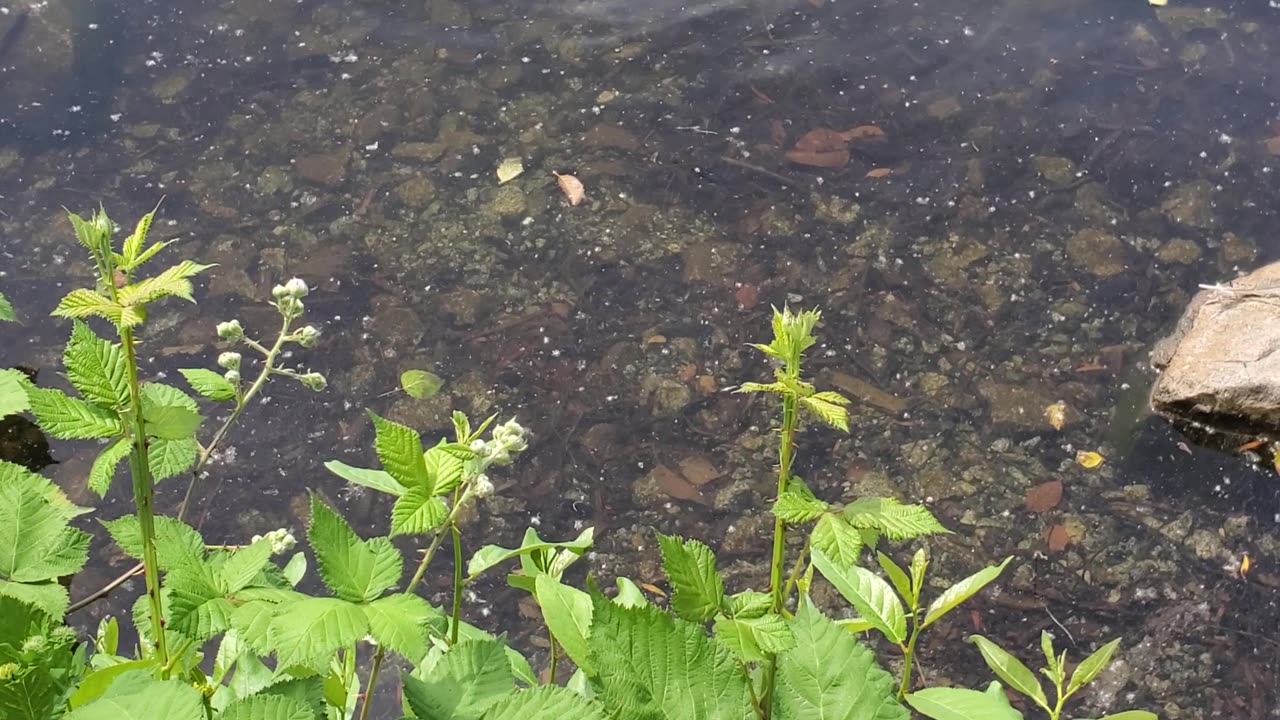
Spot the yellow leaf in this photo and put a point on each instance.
(571, 187)
(1159, 3)
(1056, 415)
(509, 169)
(1089, 459)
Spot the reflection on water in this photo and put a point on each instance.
(1041, 188)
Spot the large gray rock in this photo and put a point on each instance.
(1221, 365)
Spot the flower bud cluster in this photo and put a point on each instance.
(307, 336)
(281, 540)
(229, 361)
(314, 381)
(289, 297)
(231, 331)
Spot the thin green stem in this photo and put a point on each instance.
(373, 680)
(786, 455)
(908, 657)
(797, 570)
(555, 658)
(457, 583)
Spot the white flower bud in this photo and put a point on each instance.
(232, 376)
(477, 446)
(229, 361)
(482, 486)
(296, 287)
(290, 306)
(308, 336)
(230, 330)
(314, 381)
(279, 291)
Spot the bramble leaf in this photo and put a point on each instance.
(169, 413)
(798, 505)
(6, 310)
(697, 590)
(444, 468)
(892, 519)
(69, 418)
(826, 411)
(178, 545)
(400, 450)
(97, 368)
(465, 682)
(173, 282)
(197, 607)
(104, 466)
(13, 396)
(838, 539)
(266, 707)
(37, 546)
(84, 303)
(354, 569)
(399, 622)
(313, 629)
(420, 384)
(209, 384)
(137, 696)
(417, 513)
(168, 458)
(545, 702)
(754, 639)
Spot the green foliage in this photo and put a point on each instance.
(138, 696)
(13, 395)
(697, 590)
(209, 384)
(38, 662)
(420, 384)
(37, 545)
(353, 569)
(7, 313)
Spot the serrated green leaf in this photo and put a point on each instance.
(1090, 667)
(567, 613)
(104, 466)
(1011, 670)
(961, 591)
(244, 565)
(899, 578)
(84, 303)
(697, 590)
(209, 384)
(468, 679)
(838, 539)
(492, 555)
(445, 469)
(828, 412)
(399, 622)
(133, 244)
(544, 703)
(295, 569)
(178, 545)
(173, 282)
(93, 685)
(798, 505)
(378, 480)
(313, 629)
(169, 458)
(869, 594)
(197, 605)
(12, 472)
(354, 569)
(150, 252)
(960, 704)
(829, 674)
(629, 594)
(143, 699)
(168, 413)
(399, 449)
(37, 546)
(749, 604)
(417, 513)
(266, 707)
(69, 418)
(420, 384)
(50, 597)
(96, 367)
(251, 621)
(6, 310)
(754, 639)
(892, 519)
(751, 387)
(651, 665)
(13, 394)
(519, 665)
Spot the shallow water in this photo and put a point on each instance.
(1055, 178)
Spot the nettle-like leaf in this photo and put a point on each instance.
(13, 394)
(138, 696)
(169, 458)
(697, 590)
(209, 384)
(169, 413)
(839, 540)
(7, 313)
(463, 684)
(445, 467)
(417, 512)
(68, 418)
(399, 622)
(198, 607)
(267, 707)
(893, 519)
(798, 505)
(178, 545)
(399, 449)
(754, 639)
(37, 546)
(829, 674)
(104, 466)
(84, 303)
(313, 629)
(355, 570)
(97, 368)
(650, 665)
(544, 703)
(173, 282)
(829, 408)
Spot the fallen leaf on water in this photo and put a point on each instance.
(828, 159)
(1273, 145)
(747, 296)
(674, 484)
(655, 339)
(1158, 3)
(1058, 538)
(509, 169)
(1044, 497)
(1252, 444)
(1089, 459)
(1056, 415)
(698, 470)
(571, 187)
(879, 172)
(862, 132)
(420, 384)
(761, 96)
(653, 589)
(778, 133)
(822, 140)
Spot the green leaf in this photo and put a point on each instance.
(97, 681)
(209, 384)
(244, 565)
(869, 594)
(355, 570)
(169, 413)
(749, 604)
(629, 594)
(420, 384)
(97, 368)
(959, 704)
(567, 613)
(519, 665)
(12, 472)
(136, 696)
(150, 252)
(83, 303)
(133, 244)
(754, 639)
(69, 418)
(544, 703)
(313, 629)
(798, 505)
(104, 466)
(492, 555)
(828, 412)
(13, 395)
(252, 623)
(36, 543)
(49, 597)
(892, 519)
(168, 458)
(697, 590)
(172, 282)
(445, 469)
(399, 622)
(6, 310)
(1011, 670)
(468, 679)
(417, 512)
(400, 450)
(1090, 667)
(178, 545)
(378, 480)
(266, 707)
(829, 674)
(899, 578)
(295, 569)
(841, 542)
(651, 665)
(197, 604)
(961, 591)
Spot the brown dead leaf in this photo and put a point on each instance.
(1058, 538)
(831, 159)
(778, 133)
(1273, 145)
(698, 470)
(822, 140)
(747, 295)
(653, 589)
(654, 339)
(674, 484)
(1044, 497)
(879, 172)
(862, 132)
(571, 187)
(761, 96)
(688, 372)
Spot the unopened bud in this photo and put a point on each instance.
(482, 486)
(279, 291)
(297, 288)
(230, 330)
(229, 361)
(290, 306)
(308, 336)
(314, 381)
(232, 376)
